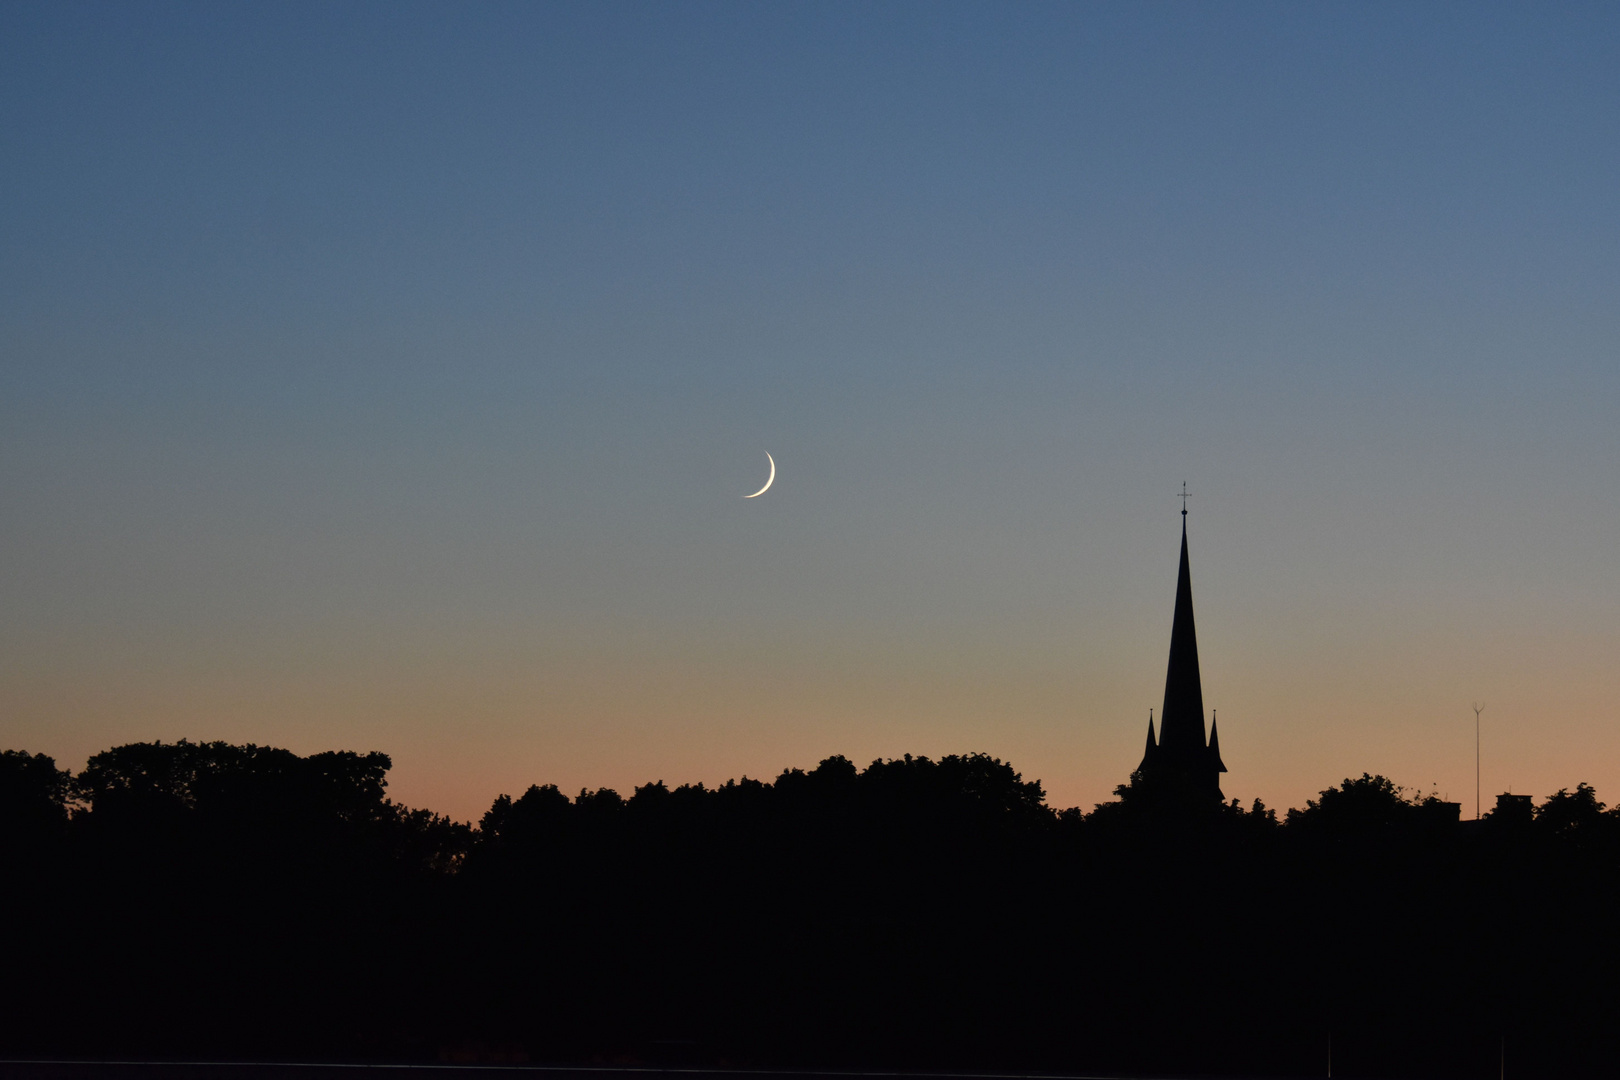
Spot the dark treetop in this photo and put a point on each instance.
(213, 901)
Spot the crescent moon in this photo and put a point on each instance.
(769, 481)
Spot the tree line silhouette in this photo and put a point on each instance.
(211, 900)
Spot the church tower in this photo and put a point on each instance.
(1180, 761)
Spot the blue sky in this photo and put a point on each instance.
(389, 376)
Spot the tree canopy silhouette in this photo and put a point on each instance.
(222, 900)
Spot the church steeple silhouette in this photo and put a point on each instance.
(1180, 758)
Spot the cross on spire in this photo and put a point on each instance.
(1185, 495)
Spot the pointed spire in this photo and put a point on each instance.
(1215, 745)
(1180, 764)
(1152, 744)
(1181, 722)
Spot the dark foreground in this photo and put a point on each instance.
(239, 903)
(132, 1070)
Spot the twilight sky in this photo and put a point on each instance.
(388, 376)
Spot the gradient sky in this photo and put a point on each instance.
(388, 376)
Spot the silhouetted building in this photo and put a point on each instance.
(1440, 812)
(1180, 761)
(1513, 810)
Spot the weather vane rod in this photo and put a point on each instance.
(1479, 707)
(1185, 495)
